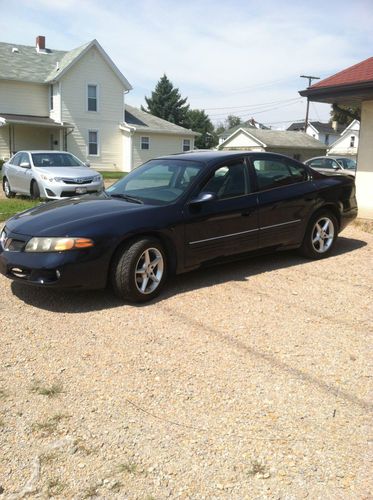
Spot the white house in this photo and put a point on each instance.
(146, 136)
(52, 99)
(327, 133)
(348, 142)
(297, 145)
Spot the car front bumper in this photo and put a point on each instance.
(85, 268)
(61, 190)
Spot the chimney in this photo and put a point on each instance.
(40, 43)
(334, 125)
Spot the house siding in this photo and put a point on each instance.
(24, 98)
(242, 140)
(93, 69)
(4, 143)
(159, 145)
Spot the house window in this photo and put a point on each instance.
(352, 141)
(51, 97)
(145, 143)
(327, 139)
(92, 98)
(186, 144)
(93, 149)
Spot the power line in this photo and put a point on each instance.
(253, 105)
(259, 110)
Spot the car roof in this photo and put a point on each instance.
(209, 156)
(43, 151)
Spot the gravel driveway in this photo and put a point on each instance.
(246, 381)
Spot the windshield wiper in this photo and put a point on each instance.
(126, 197)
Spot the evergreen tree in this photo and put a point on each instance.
(345, 114)
(199, 121)
(167, 103)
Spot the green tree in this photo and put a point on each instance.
(200, 122)
(167, 103)
(345, 114)
(232, 121)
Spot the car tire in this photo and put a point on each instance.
(7, 189)
(321, 235)
(139, 270)
(34, 190)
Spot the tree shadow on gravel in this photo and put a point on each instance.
(74, 302)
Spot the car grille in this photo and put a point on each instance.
(11, 244)
(78, 180)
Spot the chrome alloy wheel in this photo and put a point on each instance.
(322, 234)
(149, 270)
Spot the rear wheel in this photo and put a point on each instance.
(7, 190)
(321, 235)
(35, 190)
(139, 270)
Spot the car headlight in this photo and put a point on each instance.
(46, 178)
(97, 178)
(57, 244)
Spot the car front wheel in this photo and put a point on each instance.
(7, 190)
(321, 235)
(34, 190)
(139, 270)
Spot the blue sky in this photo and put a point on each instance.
(238, 57)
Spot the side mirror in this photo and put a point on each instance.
(203, 197)
(25, 164)
(87, 164)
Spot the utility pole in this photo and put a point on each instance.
(310, 78)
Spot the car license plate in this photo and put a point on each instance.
(80, 190)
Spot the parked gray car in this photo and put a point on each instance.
(49, 174)
(333, 165)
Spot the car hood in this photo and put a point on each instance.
(67, 172)
(75, 216)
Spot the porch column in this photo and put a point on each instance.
(364, 174)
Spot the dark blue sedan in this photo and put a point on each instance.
(174, 214)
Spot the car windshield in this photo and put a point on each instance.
(55, 160)
(157, 182)
(347, 163)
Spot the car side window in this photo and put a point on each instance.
(228, 181)
(318, 163)
(16, 159)
(273, 172)
(328, 163)
(24, 158)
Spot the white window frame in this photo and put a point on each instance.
(182, 145)
(98, 142)
(51, 98)
(148, 143)
(92, 84)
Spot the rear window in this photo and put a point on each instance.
(55, 160)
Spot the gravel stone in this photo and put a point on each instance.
(266, 361)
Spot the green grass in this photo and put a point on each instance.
(112, 175)
(50, 391)
(13, 206)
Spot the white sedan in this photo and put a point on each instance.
(49, 174)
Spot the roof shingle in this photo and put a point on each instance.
(358, 73)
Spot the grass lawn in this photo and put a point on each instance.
(10, 207)
(112, 175)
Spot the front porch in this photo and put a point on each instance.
(25, 132)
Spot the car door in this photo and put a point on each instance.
(227, 224)
(286, 198)
(24, 173)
